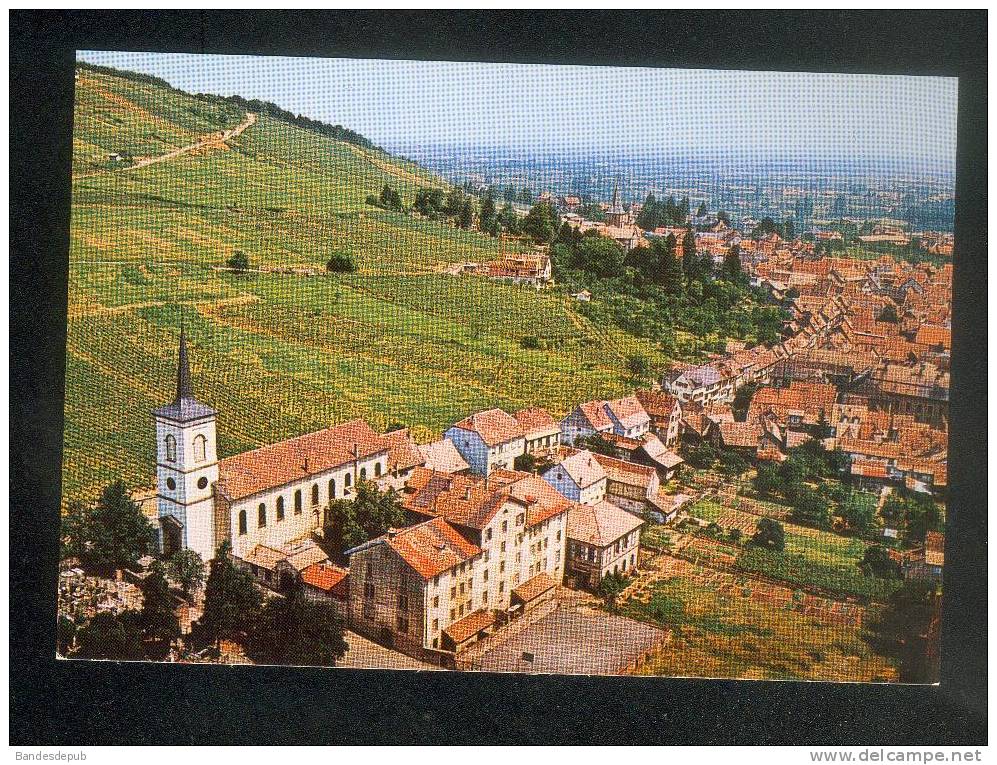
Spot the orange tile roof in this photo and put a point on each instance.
(537, 422)
(326, 577)
(493, 425)
(403, 453)
(627, 411)
(622, 471)
(470, 625)
(812, 399)
(601, 524)
(533, 588)
(932, 335)
(594, 412)
(282, 463)
(431, 548)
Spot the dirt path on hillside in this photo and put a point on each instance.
(212, 141)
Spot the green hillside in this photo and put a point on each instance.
(281, 354)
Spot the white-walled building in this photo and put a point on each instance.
(489, 440)
(623, 416)
(267, 502)
(602, 539)
(579, 477)
(542, 433)
(490, 549)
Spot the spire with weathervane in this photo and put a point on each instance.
(184, 407)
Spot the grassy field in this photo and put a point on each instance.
(811, 557)
(279, 355)
(723, 633)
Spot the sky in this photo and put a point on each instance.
(402, 105)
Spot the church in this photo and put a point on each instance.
(265, 502)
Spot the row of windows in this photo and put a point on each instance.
(262, 510)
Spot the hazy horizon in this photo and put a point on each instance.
(693, 115)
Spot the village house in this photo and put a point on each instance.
(579, 477)
(443, 457)
(664, 412)
(403, 457)
(488, 440)
(802, 405)
(628, 485)
(703, 384)
(328, 584)
(492, 548)
(542, 433)
(623, 416)
(602, 540)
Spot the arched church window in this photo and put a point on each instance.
(280, 508)
(377, 469)
(332, 490)
(347, 481)
(171, 448)
(297, 502)
(363, 474)
(262, 515)
(314, 493)
(200, 445)
(242, 522)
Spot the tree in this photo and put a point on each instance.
(731, 269)
(428, 202)
(742, 400)
(295, 631)
(187, 569)
(390, 199)
(877, 562)
(596, 444)
(369, 514)
(702, 456)
(907, 628)
(159, 619)
(691, 264)
(508, 220)
(888, 314)
(599, 255)
(638, 365)
(701, 212)
(465, 218)
(488, 220)
(525, 462)
(811, 509)
(111, 636)
(732, 463)
(529, 342)
(770, 535)
(858, 511)
(670, 275)
(341, 262)
(789, 230)
(768, 480)
(611, 587)
(239, 261)
(231, 601)
(540, 223)
(112, 534)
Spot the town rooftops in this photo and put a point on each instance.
(658, 405)
(443, 457)
(627, 411)
(934, 548)
(600, 524)
(429, 548)
(595, 413)
(471, 502)
(537, 422)
(494, 426)
(403, 453)
(282, 463)
(583, 468)
(807, 399)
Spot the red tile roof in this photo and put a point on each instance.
(594, 412)
(470, 626)
(431, 548)
(493, 425)
(601, 524)
(328, 578)
(536, 422)
(403, 453)
(282, 463)
(533, 588)
(658, 405)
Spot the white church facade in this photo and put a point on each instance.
(267, 498)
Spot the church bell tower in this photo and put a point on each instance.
(186, 468)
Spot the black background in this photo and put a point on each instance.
(56, 702)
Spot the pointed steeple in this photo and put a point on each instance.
(616, 193)
(184, 389)
(184, 407)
